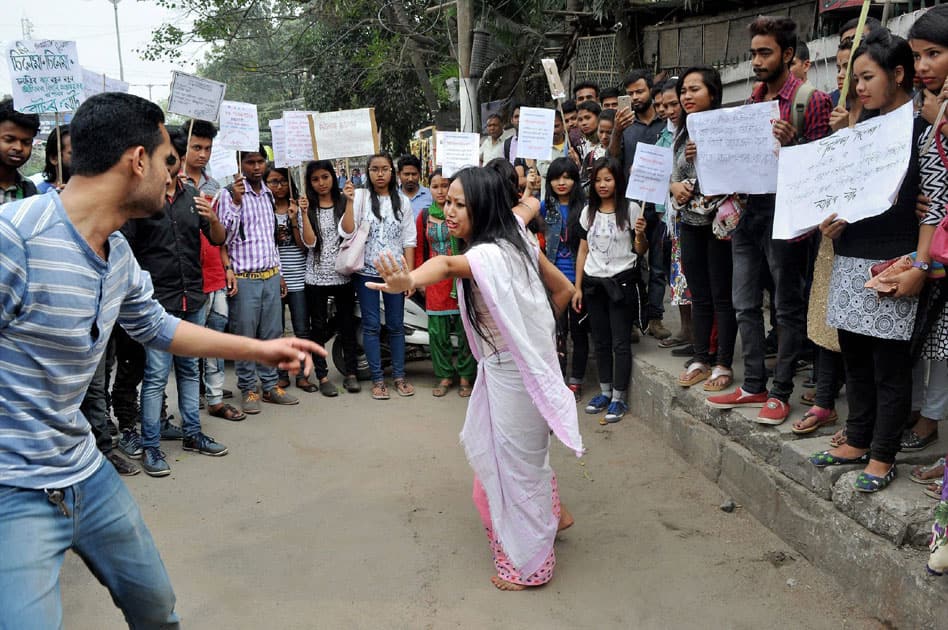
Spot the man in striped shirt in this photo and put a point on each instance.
(66, 277)
(246, 210)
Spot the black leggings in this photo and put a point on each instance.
(320, 328)
(569, 324)
(611, 324)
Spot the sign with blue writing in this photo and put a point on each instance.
(46, 76)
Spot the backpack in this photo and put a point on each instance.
(801, 100)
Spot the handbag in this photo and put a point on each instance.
(351, 256)
(938, 249)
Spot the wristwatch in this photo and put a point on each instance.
(920, 264)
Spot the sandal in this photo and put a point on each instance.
(823, 417)
(824, 459)
(404, 388)
(305, 385)
(441, 390)
(227, 412)
(839, 438)
(719, 372)
(933, 490)
(695, 373)
(283, 383)
(808, 398)
(380, 391)
(465, 391)
(871, 483)
(936, 470)
(673, 342)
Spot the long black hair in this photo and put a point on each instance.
(889, 51)
(292, 190)
(712, 80)
(338, 202)
(595, 202)
(487, 200)
(509, 175)
(932, 26)
(52, 152)
(577, 198)
(394, 194)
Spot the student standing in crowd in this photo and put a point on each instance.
(519, 397)
(609, 97)
(605, 267)
(55, 492)
(391, 228)
(561, 209)
(323, 207)
(444, 318)
(246, 211)
(875, 329)
(773, 41)
(800, 66)
(569, 115)
(289, 242)
(51, 170)
(510, 143)
(705, 257)
(409, 180)
(588, 124)
(202, 134)
(586, 91)
(492, 146)
(168, 247)
(17, 131)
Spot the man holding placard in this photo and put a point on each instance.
(773, 45)
(17, 131)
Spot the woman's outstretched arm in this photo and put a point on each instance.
(398, 278)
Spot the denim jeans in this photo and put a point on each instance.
(657, 277)
(369, 303)
(105, 528)
(299, 319)
(255, 313)
(752, 248)
(157, 368)
(215, 318)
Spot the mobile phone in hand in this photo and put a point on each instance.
(625, 101)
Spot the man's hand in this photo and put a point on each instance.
(205, 209)
(624, 119)
(231, 283)
(240, 187)
(784, 132)
(292, 354)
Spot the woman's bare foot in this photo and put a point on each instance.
(504, 585)
(566, 519)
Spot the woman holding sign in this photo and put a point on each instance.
(705, 255)
(876, 324)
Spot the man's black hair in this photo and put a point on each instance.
(871, 25)
(585, 85)
(782, 29)
(262, 150)
(408, 160)
(670, 85)
(609, 92)
(637, 75)
(568, 106)
(106, 125)
(802, 51)
(591, 106)
(201, 129)
(179, 140)
(27, 121)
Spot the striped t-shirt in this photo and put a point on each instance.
(58, 304)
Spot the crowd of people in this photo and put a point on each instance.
(517, 263)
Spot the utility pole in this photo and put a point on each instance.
(470, 108)
(118, 40)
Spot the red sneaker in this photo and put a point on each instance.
(774, 412)
(577, 390)
(737, 398)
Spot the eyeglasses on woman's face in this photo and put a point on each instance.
(274, 183)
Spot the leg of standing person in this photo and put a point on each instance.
(620, 313)
(788, 263)
(721, 273)
(244, 317)
(157, 369)
(216, 318)
(129, 369)
(596, 302)
(656, 274)
(439, 337)
(370, 303)
(269, 326)
(317, 309)
(299, 319)
(579, 334)
(96, 410)
(694, 260)
(858, 357)
(931, 405)
(344, 296)
(893, 382)
(395, 325)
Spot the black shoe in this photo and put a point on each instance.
(351, 383)
(683, 351)
(227, 393)
(911, 442)
(204, 444)
(171, 431)
(122, 465)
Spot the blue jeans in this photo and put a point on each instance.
(369, 304)
(255, 313)
(215, 318)
(157, 369)
(299, 318)
(104, 528)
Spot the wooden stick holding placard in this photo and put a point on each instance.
(376, 136)
(187, 147)
(312, 135)
(59, 154)
(860, 28)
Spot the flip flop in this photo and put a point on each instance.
(673, 342)
(716, 373)
(933, 489)
(227, 412)
(695, 373)
(918, 471)
(824, 417)
(465, 391)
(441, 389)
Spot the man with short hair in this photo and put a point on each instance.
(848, 29)
(17, 131)
(609, 97)
(492, 146)
(569, 114)
(801, 63)
(586, 91)
(198, 154)
(67, 276)
(409, 179)
(773, 44)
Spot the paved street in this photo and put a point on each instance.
(353, 513)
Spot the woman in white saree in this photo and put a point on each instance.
(519, 396)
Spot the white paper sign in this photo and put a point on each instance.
(195, 97)
(855, 173)
(650, 174)
(456, 150)
(557, 91)
(279, 143)
(299, 145)
(239, 128)
(46, 76)
(95, 83)
(737, 150)
(345, 133)
(223, 163)
(535, 133)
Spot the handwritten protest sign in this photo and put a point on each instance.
(345, 133)
(737, 150)
(557, 91)
(46, 75)
(860, 171)
(223, 163)
(456, 150)
(195, 97)
(650, 175)
(535, 137)
(95, 83)
(299, 147)
(239, 128)
(279, 143)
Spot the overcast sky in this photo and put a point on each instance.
(91, 24)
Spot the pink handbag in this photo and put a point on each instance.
(351, 256)
(938, 249)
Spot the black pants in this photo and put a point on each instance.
(830, 376)
(321, 328)
(575, 326)
(130, 358)
(95, 406)
(611, 324)
(706, 263)
(657, 278)
(879, 391)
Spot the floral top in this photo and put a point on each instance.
(386, 235)
(321, 268)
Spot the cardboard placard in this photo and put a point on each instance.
(45, 75)
(346, 133)
(279, 143)
(239, 128)
(195, 97)
(299, 146)
(535, 137)
(557, 91)
(650, 174)
(456, 150)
